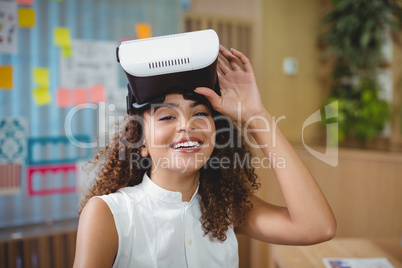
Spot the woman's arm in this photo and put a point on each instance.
(307, 217)
(97, 239)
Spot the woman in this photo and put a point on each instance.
(181, 210)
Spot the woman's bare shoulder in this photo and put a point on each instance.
(97, 239)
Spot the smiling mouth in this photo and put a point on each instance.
(186, 145)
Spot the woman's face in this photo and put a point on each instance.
(179, 134)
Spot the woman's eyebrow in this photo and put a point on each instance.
(195, 103)
(174, 104)
(160, 105)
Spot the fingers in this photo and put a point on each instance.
(211, 95)
(244, 60)
(233, 56)
(233, 63)
(223, 68)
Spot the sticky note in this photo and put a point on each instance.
(62, 37)
(143, 30)
(25, 2)
(64, 97)
(26, 17)
(6, 77)
(42, 96)
(80, 96)
(98, 93)
(41, 76)
(67, 52)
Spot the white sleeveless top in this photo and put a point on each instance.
(156, 229)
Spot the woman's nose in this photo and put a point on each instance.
(186, 125)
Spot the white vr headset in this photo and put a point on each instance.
(156, 65)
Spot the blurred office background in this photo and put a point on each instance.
(55, 55)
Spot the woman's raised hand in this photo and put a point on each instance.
(240, 98)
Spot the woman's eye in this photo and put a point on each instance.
(201, 114)
(167, 117)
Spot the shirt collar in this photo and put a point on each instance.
(162, 194)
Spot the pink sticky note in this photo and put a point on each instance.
(98, 93)
(64, 97)
(25, 2)
(80, 96)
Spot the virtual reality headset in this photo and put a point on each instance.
(155, 66)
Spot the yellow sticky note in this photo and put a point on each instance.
(62, 37)
(143, 30)
(41, 76)
(67, 52)
(26, 17)
(6, 77)
(42, 96)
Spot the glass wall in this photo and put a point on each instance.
(59, 76)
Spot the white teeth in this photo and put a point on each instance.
(187, 144)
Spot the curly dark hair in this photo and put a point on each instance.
(224, 191)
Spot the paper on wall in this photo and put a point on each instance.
(143, 30)
(6, 77)
(13, 139)
(26, 17)
(62, 36)
(10, 179)
(91, 63)
(97, 93)
(8, 27)
(64, 97)
(357, 263)
(80, 96)
(25, 2)
(42, 96)
(117, 102)
(41, 76)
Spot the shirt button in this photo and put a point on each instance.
(190, 242)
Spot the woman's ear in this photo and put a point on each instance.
(144, 151)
